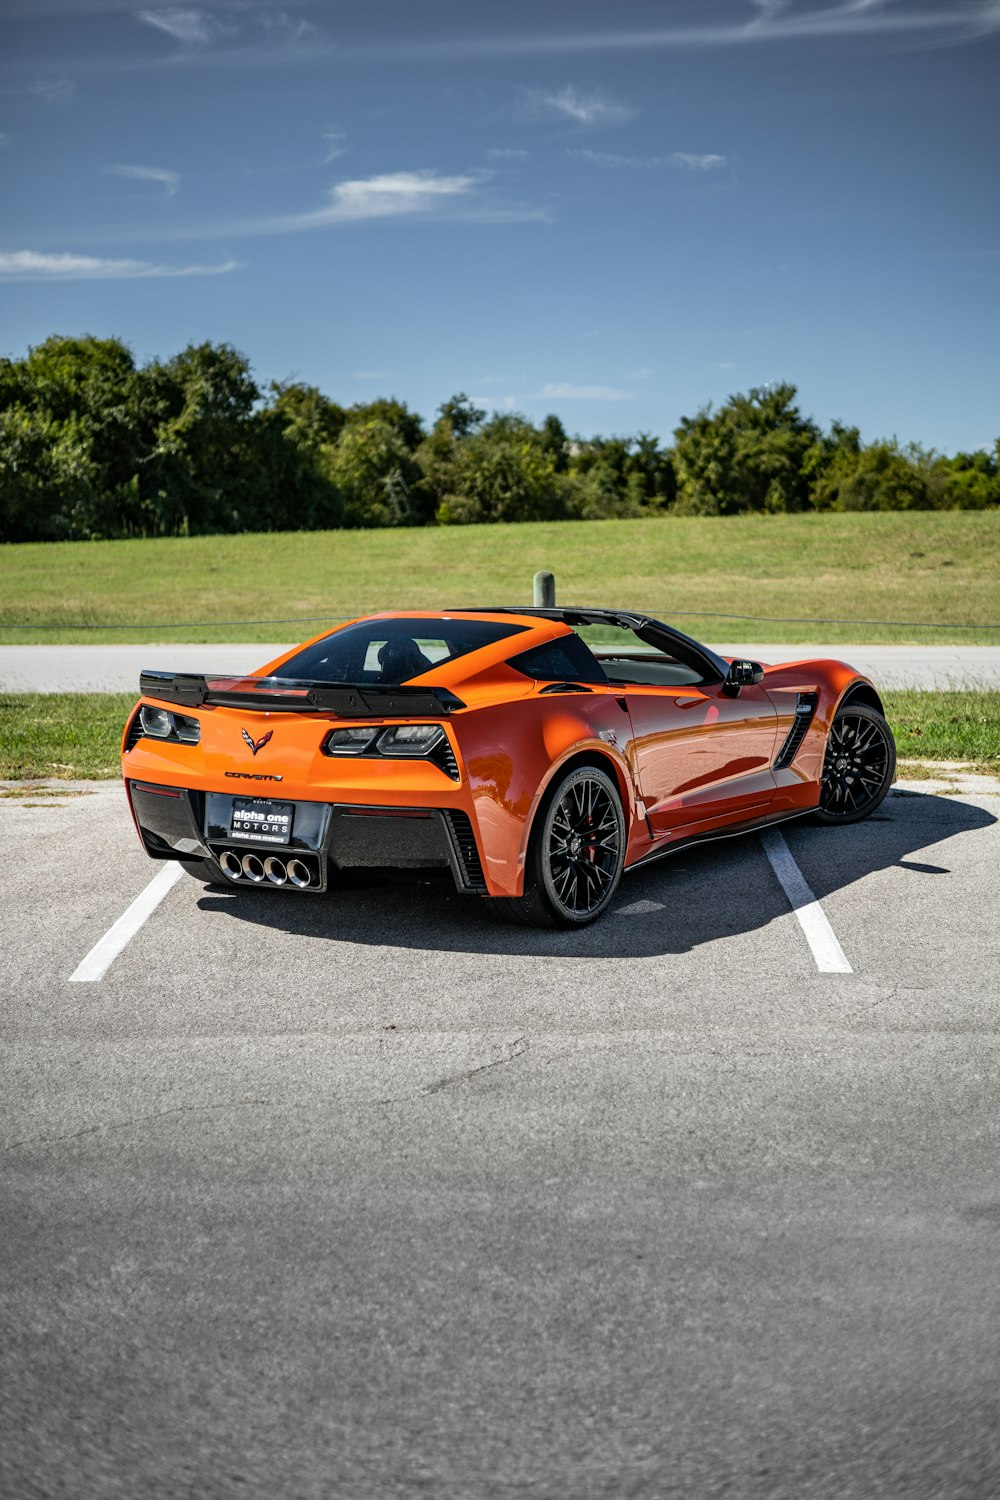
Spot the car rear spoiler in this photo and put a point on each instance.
(293, 695)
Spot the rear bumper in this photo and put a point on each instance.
(181, 823)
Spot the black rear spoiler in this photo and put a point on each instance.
(293, 695)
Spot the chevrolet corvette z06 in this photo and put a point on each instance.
(537, 754)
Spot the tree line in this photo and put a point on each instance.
(94, 445)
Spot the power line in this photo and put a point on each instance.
(712, 614)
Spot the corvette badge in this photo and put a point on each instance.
(256, 745)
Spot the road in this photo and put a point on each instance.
(99, 669)
(369, 1196)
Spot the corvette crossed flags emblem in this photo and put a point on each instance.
(256, 745)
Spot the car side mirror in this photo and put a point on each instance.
(742, 674)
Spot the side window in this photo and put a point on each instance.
(625, 658)
(564, 660)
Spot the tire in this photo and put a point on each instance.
(207, 872)
(575, 855)
(859, 765)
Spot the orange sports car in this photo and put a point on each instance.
(537, 753)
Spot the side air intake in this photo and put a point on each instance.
(464, 840)
(804, 710)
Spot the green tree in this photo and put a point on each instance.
(502, 472)
(750, 455)
(375, 474)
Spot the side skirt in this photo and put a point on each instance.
(732, 832)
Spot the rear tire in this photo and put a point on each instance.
(575, 855)
(859, 765)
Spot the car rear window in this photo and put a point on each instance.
(390, 652)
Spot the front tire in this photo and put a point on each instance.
(575, 856)
(859, 765)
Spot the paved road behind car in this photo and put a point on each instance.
(106, 669)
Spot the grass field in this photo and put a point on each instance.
(70, 736)
(713, 577)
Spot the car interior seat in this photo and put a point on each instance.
(400, 660)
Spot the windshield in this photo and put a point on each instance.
(393, 651)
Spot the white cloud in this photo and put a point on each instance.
(641, 374)
(334, 144)
(570, 103)
(563, 391)
(34, 265)
(252, 32)
(4, 139)
(694, 161)
(507, 153)
(169, 181)
(52, 90)
(938, 21)
(191, 27)
(614, 159)
(389, 194)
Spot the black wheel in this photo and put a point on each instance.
(576, 853)
(859, 765)
(206, 871)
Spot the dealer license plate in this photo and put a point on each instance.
(261, 822)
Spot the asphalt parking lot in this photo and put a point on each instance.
(371, 1196)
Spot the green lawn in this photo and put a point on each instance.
(926, 566)
(71, 736)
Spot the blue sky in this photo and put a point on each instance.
(613, 211)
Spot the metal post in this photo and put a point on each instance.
(545, 591)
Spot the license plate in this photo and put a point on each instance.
(261, 822)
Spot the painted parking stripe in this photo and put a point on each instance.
(103, 954)
(826, 950)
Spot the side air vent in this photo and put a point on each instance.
(444, 756)
(464, 840)
(804, 710)
(134, 732)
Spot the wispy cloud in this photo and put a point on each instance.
(52, 90)
(388, 195)
(688, 160)
(335, 145)
(563, 391)
(694, 161)
(370, 374)
(945, 22)
(34, 265)
(192, 28)
(507, 153)
(640, 374)
(574, 104)
(169, 181)
(616, 159)
(4, 140)
(247, 33)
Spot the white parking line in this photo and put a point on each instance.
(826, 950)
(120, 934)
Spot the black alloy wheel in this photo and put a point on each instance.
(859, 765)
(576, 854)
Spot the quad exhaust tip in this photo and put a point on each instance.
(250, 867)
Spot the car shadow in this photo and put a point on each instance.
(697, 896)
